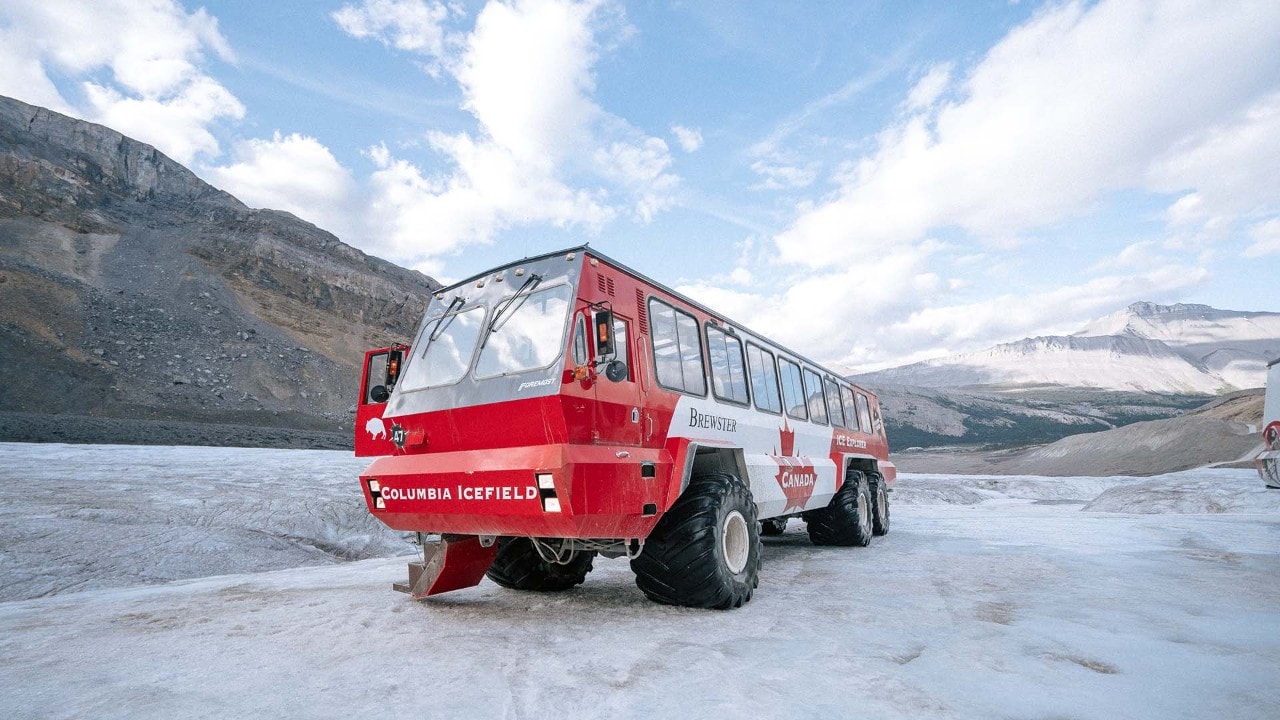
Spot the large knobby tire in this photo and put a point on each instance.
(519, 566)
(847, 519)
(705, 551)
(879, 504)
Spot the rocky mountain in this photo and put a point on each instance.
(131, 289)
(1146, 348)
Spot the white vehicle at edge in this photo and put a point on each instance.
(1268, 460)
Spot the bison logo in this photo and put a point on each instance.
(375, 428)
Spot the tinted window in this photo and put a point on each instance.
(677, 350)
(850, 411)
(764, 379)
(792, 389)
(864, 414)
(833, 402)
(813, 396)
(728, 371)
(529, 334)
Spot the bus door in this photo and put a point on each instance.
(619, 412)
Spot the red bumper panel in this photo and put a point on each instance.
(600, 491)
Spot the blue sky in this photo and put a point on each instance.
(873, 183)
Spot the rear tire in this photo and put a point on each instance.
(518, 566)
(846, 521)
(705, 551)
(879, 504)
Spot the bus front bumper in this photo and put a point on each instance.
(564, 491)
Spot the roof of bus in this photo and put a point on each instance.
(588, 250)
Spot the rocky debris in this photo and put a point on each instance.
(132, 289)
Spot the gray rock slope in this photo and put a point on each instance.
(129, 288)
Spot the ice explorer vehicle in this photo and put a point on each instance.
(565, 406)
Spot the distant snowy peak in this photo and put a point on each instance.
(1184, 324)
(1182, 348)
(1115, 362)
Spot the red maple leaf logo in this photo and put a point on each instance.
(796, 475)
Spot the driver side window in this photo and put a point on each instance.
(580, 340)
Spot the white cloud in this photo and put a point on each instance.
(1227, 169)
(779, 176)
(154, 88)
(413, 25)
(689, 139)
(1078, 102)
(543, 151)
(895, 309)
(295, 173)
(641, 166)
(929, 88)
(1057, 310)
(1266, 239)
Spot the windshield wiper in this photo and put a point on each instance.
(441, 325)
(507, 308)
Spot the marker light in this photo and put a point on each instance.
(551, 505)
(546, 481)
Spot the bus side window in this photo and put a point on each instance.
(792, 389)
(764, 379)
(833, 402)
(728, 376)
(814, 397)
(864, 414)
(850, 411)
(677, 349)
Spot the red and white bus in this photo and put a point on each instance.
(565, 406)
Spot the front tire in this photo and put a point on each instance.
(846, 521)
(705, 551)
(518, 566)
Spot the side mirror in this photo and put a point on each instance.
(605, 343)
(379, 393)
(616, 370)
(395, 357)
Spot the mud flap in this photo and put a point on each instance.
(453, 563)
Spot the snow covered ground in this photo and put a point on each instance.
(992, 597)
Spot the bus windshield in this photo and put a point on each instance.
(530, 336)
(444, 352)
(520, 332)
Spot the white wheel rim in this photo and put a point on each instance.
(864, 512)
(735, 542)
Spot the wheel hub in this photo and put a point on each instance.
(735, 542)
